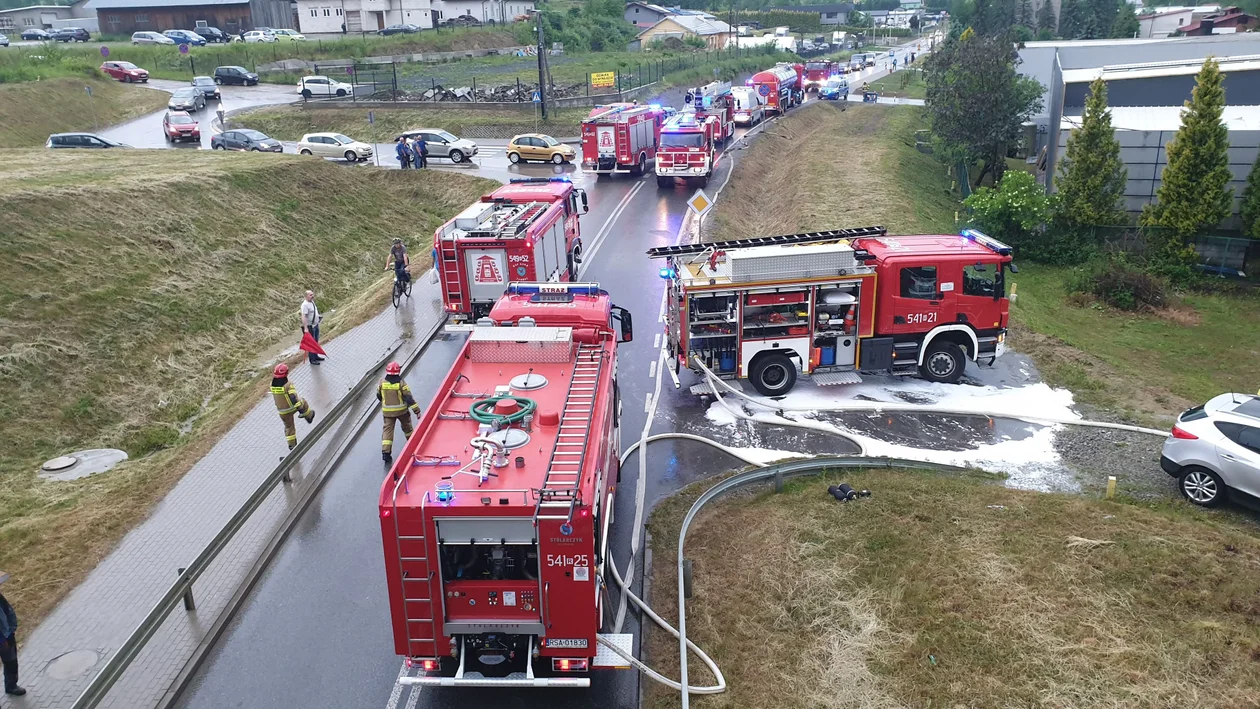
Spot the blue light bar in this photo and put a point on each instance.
(986, 241)
(537, 288)
(538, 180)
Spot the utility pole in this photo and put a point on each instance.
(542, 85)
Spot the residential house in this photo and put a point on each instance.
(127, 16)
(41, 17)
(715, 33)
(1228, 21)
(1164, 21)
(830, 14)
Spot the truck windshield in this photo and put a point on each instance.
(682, 140)
(816, 66)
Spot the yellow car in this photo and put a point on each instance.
(536, 146)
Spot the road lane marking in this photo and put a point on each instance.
(647, 405)
(601, 236)
(656, 341)
(414, 696)
(652, 370)
(395, 695)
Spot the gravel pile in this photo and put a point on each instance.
(1095, 453)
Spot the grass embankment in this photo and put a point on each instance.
(138, 289)
(823, 168)
(907, 83)
(30, 112)
(290, 122)
(1144, 366)
(165, 62)
(945, 591)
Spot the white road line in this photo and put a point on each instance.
(396, 694)
(656, 341)
(598, 241)
(652, 370)
(647, 404)
(414, 697)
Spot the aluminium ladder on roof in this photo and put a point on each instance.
(782, 240)
(559, 492)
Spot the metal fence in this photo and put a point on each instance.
(1222, 254)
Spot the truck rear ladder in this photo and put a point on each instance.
(559, 493)
(449, 266)
(416, 579)
(783, 240)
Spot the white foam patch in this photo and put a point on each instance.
(766, 456)
(1030, 463)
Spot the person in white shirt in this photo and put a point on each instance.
(310, 323)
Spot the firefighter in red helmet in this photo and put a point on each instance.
(397, 404)
(288, 402)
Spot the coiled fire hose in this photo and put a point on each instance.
(483, 411)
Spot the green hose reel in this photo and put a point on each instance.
(482, 411)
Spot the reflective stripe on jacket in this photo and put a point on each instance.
(394, 397)
(286, 398)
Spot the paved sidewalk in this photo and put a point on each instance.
(95, 619)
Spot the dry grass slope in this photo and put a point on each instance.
(30, 111)
(823, 168)
(138, 290)
(947, 591)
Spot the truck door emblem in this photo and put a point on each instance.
(487, 270)
(566, 529)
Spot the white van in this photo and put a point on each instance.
(750, 106)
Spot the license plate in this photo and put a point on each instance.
(566, 642)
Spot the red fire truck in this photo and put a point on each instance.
(620, 137)
(526, 230)
(687, 148)
(715, 100)
(495, 519)
(781, 85)
(817, 73)
(836, 303)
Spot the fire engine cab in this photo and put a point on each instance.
(687, 148)
(781, 86)
(818, 72)
(526, 230)
(714, 100)
(620, 137)
(835, 303)
(495, 519)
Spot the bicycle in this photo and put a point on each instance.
(401, 288)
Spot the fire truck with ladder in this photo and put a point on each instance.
(834, 304)
(818, 72)
(782, 86)
(620, 137)
(524, 231)
(687, 148)
(714, 99)
(495, 519)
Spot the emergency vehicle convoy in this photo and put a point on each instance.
(495, 519)
(782, 86)
(524, 231)
(687, 148)
(620, 137)
(717, 101)
(818, 72)
(836, 303)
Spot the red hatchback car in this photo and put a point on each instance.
(125, 71)
(178, 125)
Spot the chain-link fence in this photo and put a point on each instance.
(1223, 254)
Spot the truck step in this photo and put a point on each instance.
(827, 379)
(607, 658)
(702, 388)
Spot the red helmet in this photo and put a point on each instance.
(393, 368)
(281, 370)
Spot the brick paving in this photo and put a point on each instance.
(102, 611)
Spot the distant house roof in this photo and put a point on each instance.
(697, 25)
(124, 4)
(841, 7)
(28, 8)
(669, 11)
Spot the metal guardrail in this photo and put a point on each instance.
(778, 473)
(181, 590)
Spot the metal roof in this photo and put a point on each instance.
(1117, 72)
(1168, 118)
(28, 8)
(698, 25)
(126, 4)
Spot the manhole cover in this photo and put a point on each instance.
(511, 438)
(60, 463)
(82, 464)
(528, 382)
(71, 665)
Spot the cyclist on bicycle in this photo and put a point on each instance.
(401, 262)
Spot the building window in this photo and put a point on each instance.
(142, 18)
(327, 12)
(314, 12)
(29, 22)
(113, 19)
(6, 22)
(338, 12)
(1180, 20)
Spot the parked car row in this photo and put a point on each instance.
(4, 40)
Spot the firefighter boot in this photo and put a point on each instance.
(387, 457)
(309, 416)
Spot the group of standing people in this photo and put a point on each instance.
(411, 153)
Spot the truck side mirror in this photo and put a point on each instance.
(625, 323)
(585, 207)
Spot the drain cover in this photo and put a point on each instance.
(71, 665)
(60, 463)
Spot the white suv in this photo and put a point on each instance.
(1214, 450)
(310, 86)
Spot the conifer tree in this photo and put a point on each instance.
(1091, 178)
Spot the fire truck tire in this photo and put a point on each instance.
(514, 158)
(664, 182)
(773, 375)
(641, 168)
(704, 181)
(943, 362)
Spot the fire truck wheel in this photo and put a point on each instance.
(773, 375)
(944, 362)
(664, 182)
(514, 158)
(642, 166)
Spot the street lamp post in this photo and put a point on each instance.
(542, 86)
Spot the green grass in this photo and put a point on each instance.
(290, 122)
(950, 591)
(30, 111)
(825, 168)
(1146, 365)
(139, 287)
(906, 83)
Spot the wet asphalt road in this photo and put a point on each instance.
(315, 631)
(146, 131)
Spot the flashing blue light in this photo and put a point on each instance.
(667, 272)
(655, 106)
(986, 241)
(538, 180)
(537, 288)
(445, 493)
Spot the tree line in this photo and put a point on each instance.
(1023, 21)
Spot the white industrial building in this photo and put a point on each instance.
(319, 16)
(1163, 21)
